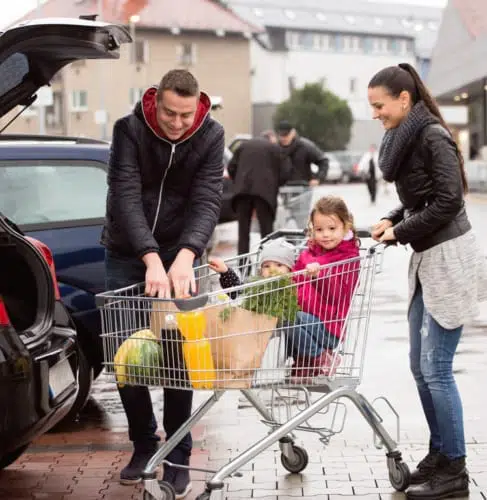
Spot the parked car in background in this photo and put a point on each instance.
(42, 362)
(349, 161)
(334, 173)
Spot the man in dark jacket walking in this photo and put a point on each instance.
(164, 196)
(302, 153)
(257, 168)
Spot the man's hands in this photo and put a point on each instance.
(180, 276)
(156, 280)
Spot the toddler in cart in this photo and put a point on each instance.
(276, 257)
(324, 293)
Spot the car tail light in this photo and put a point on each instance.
(47, 254)
(4, 319)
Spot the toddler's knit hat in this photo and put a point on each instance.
(280, 251)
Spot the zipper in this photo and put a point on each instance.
(173, 150)
(159, 202)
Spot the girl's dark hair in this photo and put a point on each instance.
(332, 205)
(396, 79)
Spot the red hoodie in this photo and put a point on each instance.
(328, 296)
(150, 114)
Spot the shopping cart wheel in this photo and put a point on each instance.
(299, 461)
(167, 491)
(399, 476)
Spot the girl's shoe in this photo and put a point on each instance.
(327, 363)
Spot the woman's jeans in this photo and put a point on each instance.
(136, 400)
(432, 348)
(308, 336)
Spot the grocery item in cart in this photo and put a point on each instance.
(196, 349)
(137, 357)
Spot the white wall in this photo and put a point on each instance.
(271, 72)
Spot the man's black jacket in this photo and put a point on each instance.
(162, 196)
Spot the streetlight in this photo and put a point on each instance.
(133, 20)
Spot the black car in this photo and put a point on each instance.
(40, 354)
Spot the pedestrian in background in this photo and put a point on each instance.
(369, 167)
(447, 268)
(258, 168)
(303, 153)
(164, 197)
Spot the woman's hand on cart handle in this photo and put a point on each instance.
(217, 264)
(157, 283)
(379, 229)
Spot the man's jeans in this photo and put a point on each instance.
(432, 348)
(136, 400)
(308, 336)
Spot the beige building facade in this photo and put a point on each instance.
(88, 97)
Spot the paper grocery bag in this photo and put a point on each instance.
(238, 339)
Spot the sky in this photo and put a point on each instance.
(13, 10)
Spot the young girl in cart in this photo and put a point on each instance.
(324, 294)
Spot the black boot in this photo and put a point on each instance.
(450, 480)
(426, 468)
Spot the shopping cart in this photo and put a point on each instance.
(244, 338)
(294, 205)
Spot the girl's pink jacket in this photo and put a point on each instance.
(329, 295)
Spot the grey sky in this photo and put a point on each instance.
(12, 10)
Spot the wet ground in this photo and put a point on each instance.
(84, 460)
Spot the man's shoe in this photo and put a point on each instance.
(179, 479)
(132, 472)
(426, 468)
(449, 481)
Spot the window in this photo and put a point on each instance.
(187, 54)
(139, 52)
(52, 192)
(353, 85)
(135, 95)
(54, 113)
(79, 100)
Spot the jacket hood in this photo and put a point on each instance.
(347, 249)
(146, 108)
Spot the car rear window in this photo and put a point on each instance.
(52, 192)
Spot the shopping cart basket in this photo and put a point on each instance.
(294, 205)
(244, 338)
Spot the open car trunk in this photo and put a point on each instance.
(26, 285)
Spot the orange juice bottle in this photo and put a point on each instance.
(196, 349)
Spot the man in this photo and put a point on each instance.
(303, 153)
(164, 197)
(257, 168)
(369, 166)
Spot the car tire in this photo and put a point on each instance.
(10, 458)
(85, 382)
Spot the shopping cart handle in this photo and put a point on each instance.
(283, 233)
(190, 303)
(363, 233)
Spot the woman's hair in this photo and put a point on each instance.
(396, 79)
(332, 205)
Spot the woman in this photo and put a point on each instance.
(419, 155)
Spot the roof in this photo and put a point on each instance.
(346, 16)
(194, 15)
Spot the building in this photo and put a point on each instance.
(341, 44)
(458, 74)
(200, 35)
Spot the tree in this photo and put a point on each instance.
(318, 115)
